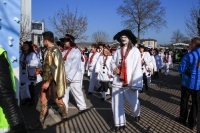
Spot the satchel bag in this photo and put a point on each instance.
(32, 78)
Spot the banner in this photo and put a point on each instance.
(10, 33)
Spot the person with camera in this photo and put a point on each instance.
(127, 78)
(190, 70)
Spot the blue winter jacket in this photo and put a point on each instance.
(190, 69)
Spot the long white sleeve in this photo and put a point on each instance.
(75, 64)
(32, 60)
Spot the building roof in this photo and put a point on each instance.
(148, 40)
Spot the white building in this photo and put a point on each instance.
(151, 43)
(37, 28)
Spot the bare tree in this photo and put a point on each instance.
(68, 22)
(25, 28)
(178, 37)
(140, 15)
(100, 36)
(191, 22)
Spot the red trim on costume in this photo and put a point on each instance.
(92, 58)
(123, 75)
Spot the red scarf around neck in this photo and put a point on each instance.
(68, 51)
(92, 58)
(123, 75)
(166, 58)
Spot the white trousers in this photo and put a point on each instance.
(118, 96)
(76, 90)
(82, 81)
(93, 82)
(166, 68)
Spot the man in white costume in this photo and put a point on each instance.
(146, 60)
(91, 65)
(72, 60)
(127, 78)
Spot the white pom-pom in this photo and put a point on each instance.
(10, 38)
(13, 59)
(10, 43)
(1, 46)
(16, 19)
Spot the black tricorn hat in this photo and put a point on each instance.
(67, 37)
(127, 33)
(141, 46)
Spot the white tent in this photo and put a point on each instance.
(180, 44)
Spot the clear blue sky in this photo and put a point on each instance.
(102, 16)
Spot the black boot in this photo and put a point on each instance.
(116, 129)
(137, 118)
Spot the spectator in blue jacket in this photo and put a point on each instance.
(190, 70)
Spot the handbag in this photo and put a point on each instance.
(34, 77)
(24, 91)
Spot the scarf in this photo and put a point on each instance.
(166, 58)
(92, 58)
(68, 51)
(123, 75)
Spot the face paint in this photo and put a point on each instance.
(124, 39)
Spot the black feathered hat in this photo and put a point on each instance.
(141, 46)
(127, 33)
(69, 38)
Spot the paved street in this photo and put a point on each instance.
(159, 107)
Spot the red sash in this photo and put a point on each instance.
(68, 51)
(123, 75)
(166, 58)
(92, 58)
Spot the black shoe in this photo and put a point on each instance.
(102, 99)
(123, 127)
(90, 93)
(115, 129)
(82, 111)
(180, 120)
(137, 118)
(192, 126)
(37, 126)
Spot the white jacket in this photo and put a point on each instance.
(73, 65)
(148, 59)
(32, 63)
(133, 66)
(103, 71)
(91, 67)
(153, 64)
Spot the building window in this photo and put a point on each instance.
(36, 26)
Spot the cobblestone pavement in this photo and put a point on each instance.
(159, 107)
